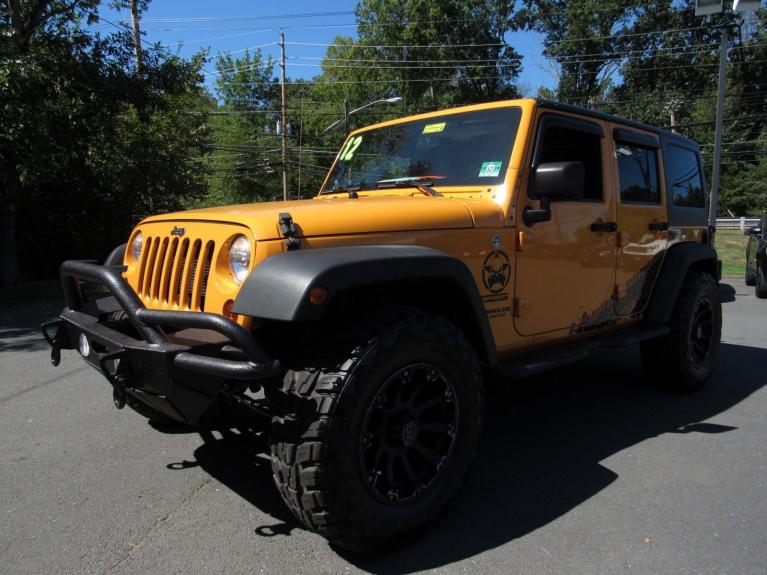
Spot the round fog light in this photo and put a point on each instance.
(84, 345)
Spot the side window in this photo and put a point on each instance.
(683, 174)
(638, 174)
(562, 144)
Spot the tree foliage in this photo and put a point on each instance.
(243, 131)
(87, 145)
(432, 54)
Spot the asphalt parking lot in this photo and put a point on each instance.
(583, 470)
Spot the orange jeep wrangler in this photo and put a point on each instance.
(515, 236)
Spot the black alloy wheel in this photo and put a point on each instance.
(408, 433)
(701, 332)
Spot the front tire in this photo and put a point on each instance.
(398, 414)
(684, 359)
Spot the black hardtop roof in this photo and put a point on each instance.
(554, 105)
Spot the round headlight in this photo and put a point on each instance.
(138, 243)
(239, 258)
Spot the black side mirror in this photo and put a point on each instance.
(554, 181)
(753, 231)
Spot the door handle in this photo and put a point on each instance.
(658, 226)
(604, 227)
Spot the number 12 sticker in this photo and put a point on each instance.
(347, 153)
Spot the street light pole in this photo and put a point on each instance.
(347, 113)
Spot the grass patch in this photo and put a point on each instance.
(731, 247)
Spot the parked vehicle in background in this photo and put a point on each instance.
(756, 257)
(357, 326)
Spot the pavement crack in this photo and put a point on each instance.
(158, 523)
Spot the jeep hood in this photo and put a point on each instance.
(344, 216)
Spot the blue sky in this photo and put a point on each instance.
(231, 35)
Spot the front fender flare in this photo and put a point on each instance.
(278, 288)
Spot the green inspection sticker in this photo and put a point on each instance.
(490, 169)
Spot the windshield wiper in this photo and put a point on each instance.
(422, 183)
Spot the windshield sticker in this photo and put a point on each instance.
(433, 128)
(347, 153)
(490, 169)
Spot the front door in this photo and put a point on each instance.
(642, 218)
(566, 266)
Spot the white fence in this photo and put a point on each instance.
(735, 223)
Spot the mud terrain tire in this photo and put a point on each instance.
(749, 279)
(371, 464)
(760, 289)
(684, 359)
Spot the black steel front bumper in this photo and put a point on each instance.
(174, 362)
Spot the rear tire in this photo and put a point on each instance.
(760, 289)
(684, 359)
(396, 411)
(750, 279)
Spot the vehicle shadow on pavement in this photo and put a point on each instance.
(239, 460)
(544, 440)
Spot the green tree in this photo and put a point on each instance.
(245, 146)
(674, 66)
(432, 54)
(87, 144)
(585, 40)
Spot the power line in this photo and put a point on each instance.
(687, 125)
(488, 45)
(249, 18)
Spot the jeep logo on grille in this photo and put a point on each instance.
(176, 231)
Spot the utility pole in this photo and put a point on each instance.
(300, 140)
(136, 33)
(718, 130)
(284, 124)
(346, 116)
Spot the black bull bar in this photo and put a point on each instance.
(178, 373)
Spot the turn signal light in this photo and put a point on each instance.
(318, 295)
(228, 310)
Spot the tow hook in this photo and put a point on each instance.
(118, 380)
(119, 396)
(56, 354)
(54, 341)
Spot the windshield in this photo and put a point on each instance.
(469, 148)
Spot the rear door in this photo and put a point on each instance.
(641, 216)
